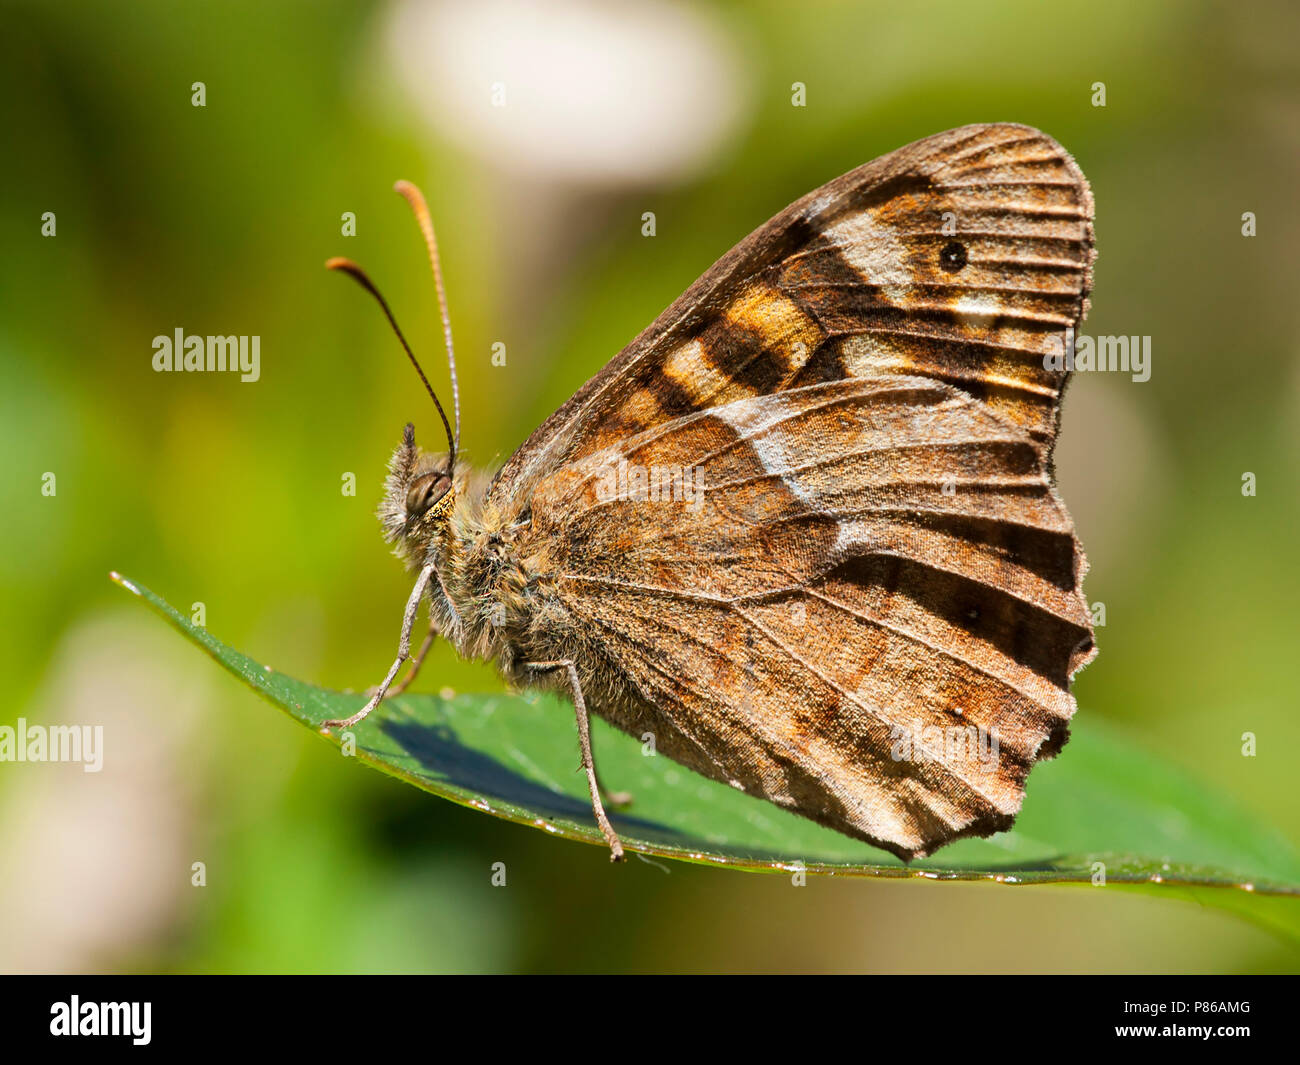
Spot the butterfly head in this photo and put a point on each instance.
(419, 497)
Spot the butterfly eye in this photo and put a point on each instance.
(425, 491)
(953, 256)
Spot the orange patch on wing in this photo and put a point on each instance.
(780, 323)
(691, 370)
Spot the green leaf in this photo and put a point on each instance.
(514, 756)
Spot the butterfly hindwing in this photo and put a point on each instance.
(849, 567)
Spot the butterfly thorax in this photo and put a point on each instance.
(487, 583)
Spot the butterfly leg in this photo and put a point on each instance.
(588, 762)
(403, 653)
(416, 663)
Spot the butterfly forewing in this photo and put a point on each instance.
(862, 277)
(868, 557)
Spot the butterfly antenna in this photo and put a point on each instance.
(415, 198)
(359, 276)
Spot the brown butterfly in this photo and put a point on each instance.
(805, 521)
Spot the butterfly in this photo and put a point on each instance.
(803, 530)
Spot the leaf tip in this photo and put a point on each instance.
(125, 582)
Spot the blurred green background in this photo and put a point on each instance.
(216, 219)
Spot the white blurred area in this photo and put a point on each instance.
(573, 115)
(573, 92)
(95, 867)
